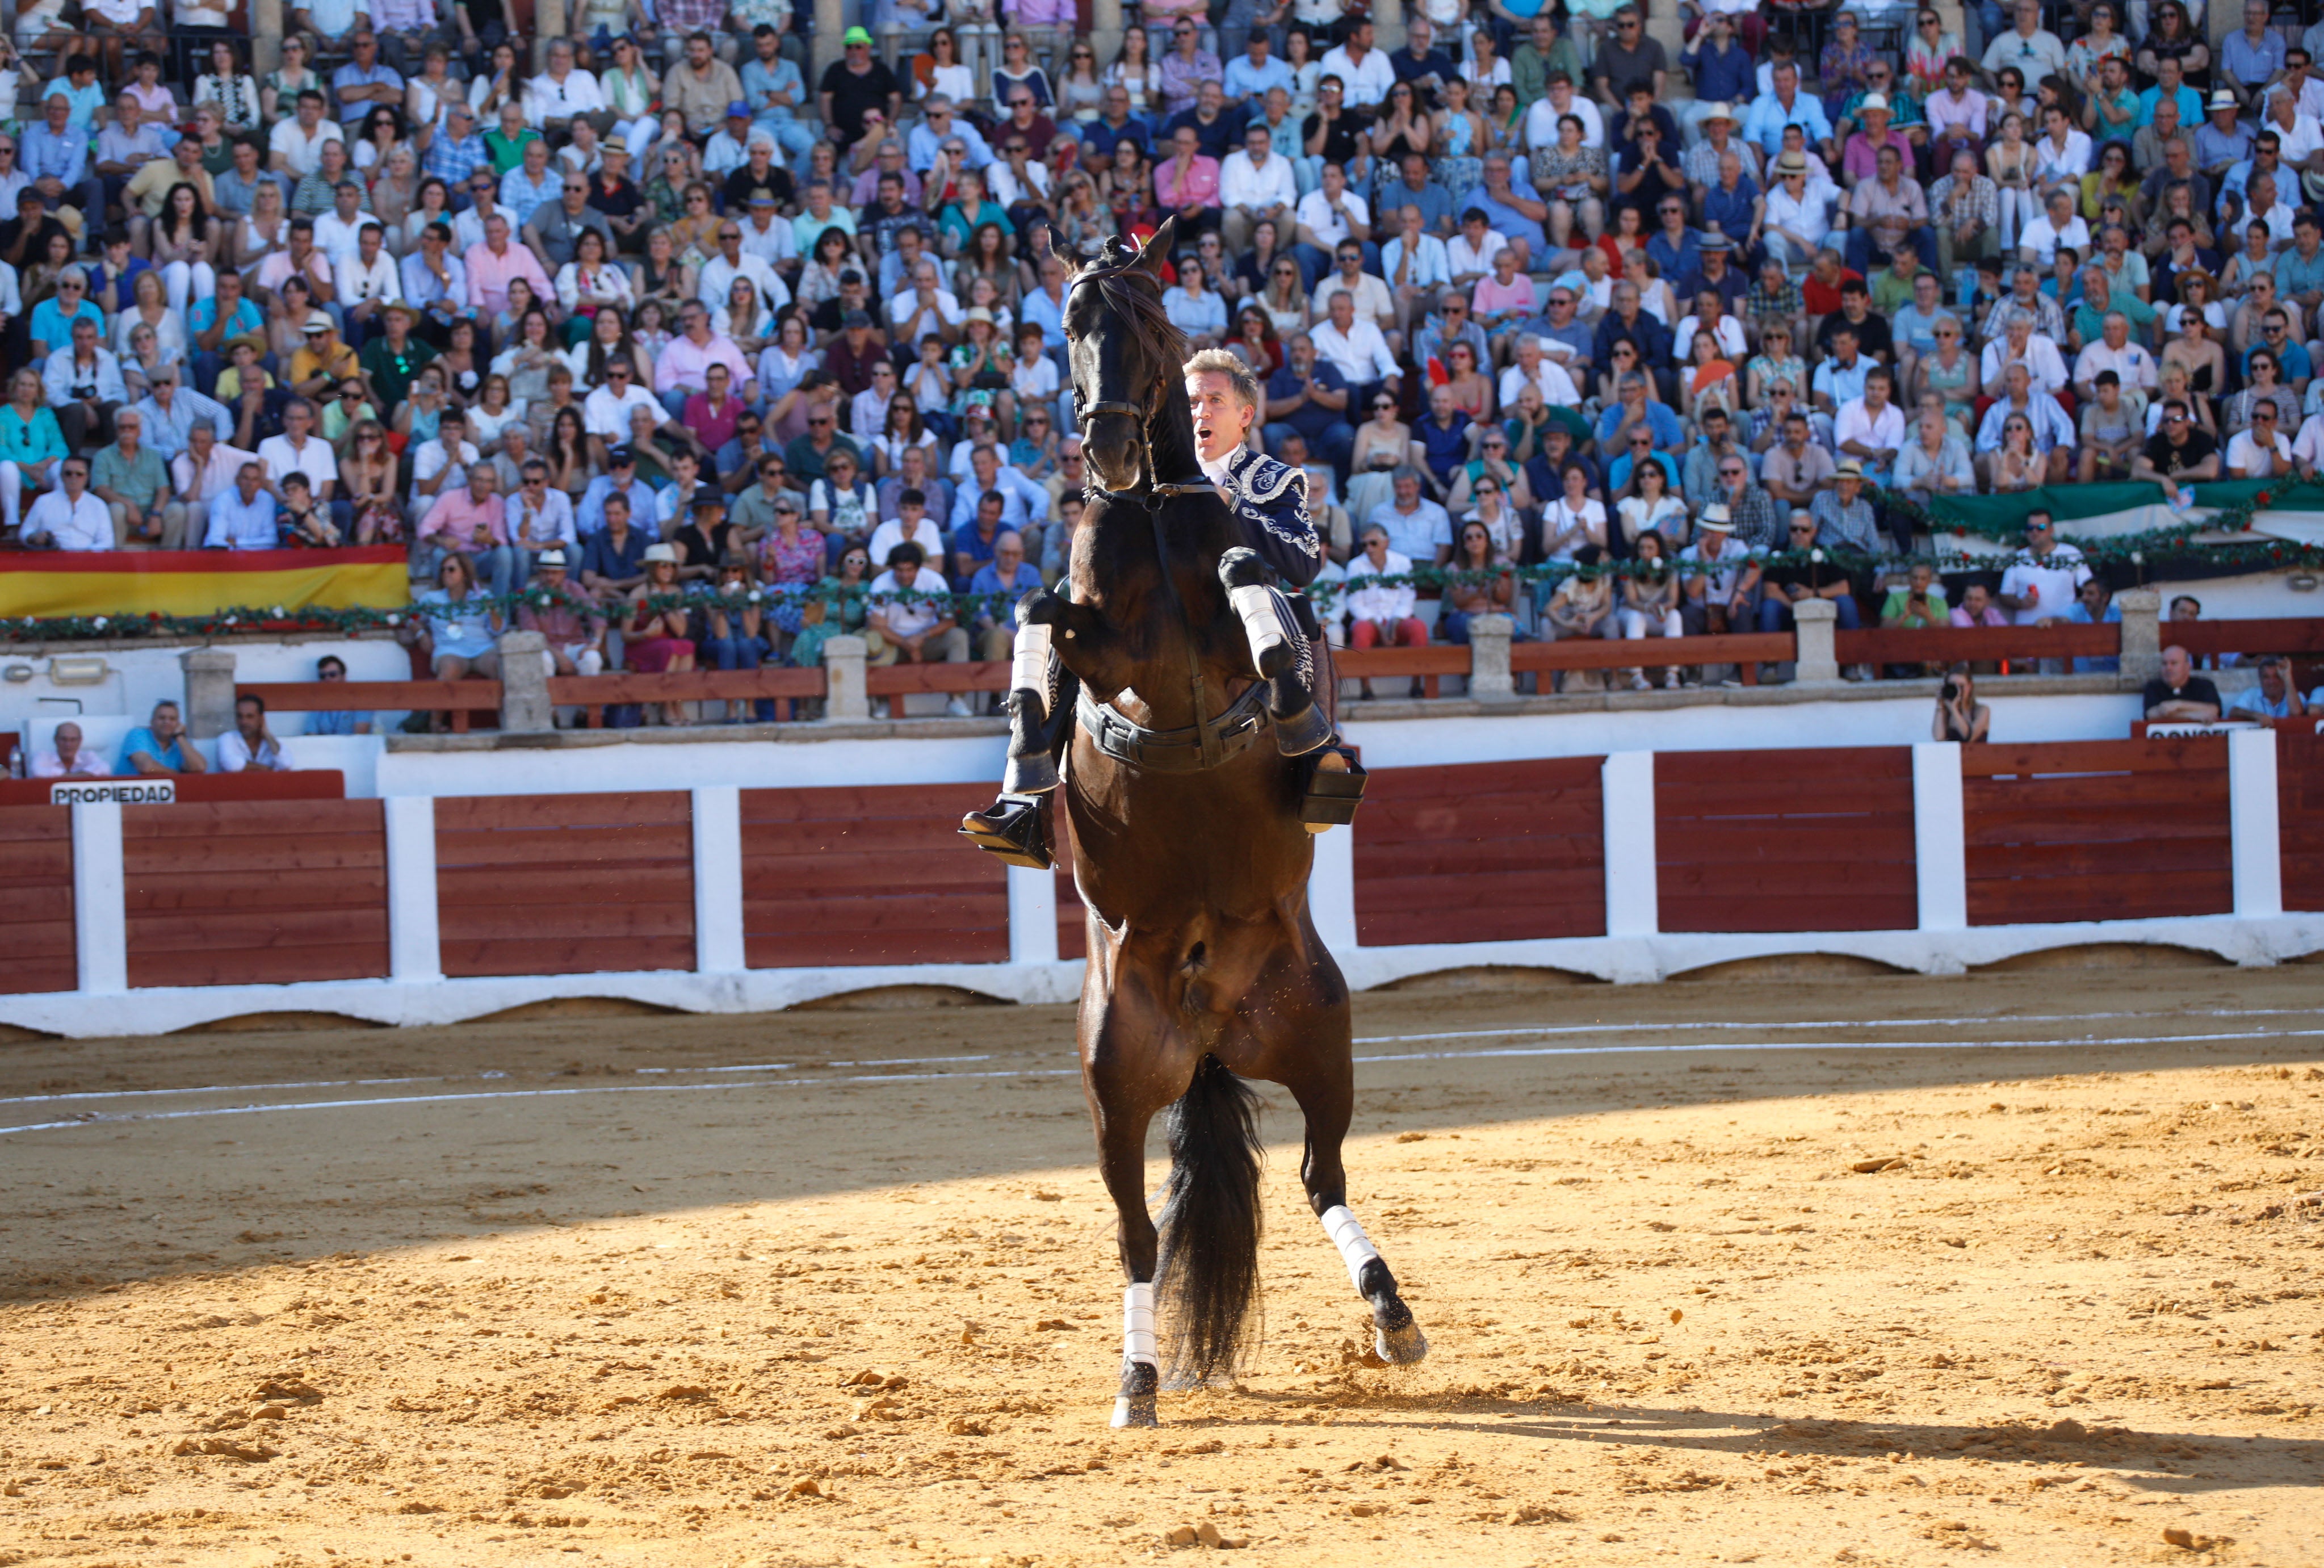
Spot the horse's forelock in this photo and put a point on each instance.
(1134, 295)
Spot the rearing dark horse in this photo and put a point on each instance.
(1191, 854)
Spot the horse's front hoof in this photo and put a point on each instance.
(1397, 1337)
(1135, 1406)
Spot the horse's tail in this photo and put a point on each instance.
(1209, 1276)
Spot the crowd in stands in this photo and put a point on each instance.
(716, 364)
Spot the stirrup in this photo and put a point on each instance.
(1331, 795)
(1013, 829)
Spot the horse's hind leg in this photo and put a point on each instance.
(1317, 1071)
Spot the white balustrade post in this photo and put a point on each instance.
(1633, 896)
(718, 878)
(1815, 622)
(524, 684)
(1940, 836)
(414, 949)
(2142, 636)
(844, 697)
(1032, 915)
(100, 899)
(2257, 845)
(1490, 637)
(1332, 888)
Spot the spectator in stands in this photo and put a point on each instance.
(338, 721)
(69, 517)
(83, 383)
(1976, 608)
(2180, 695)
(2178, 457)
(913, 620)
(133, 480)
(250, 746)
(1379, 596)
(568, 618)
(1799, 577)
(994, 591)
(161, 746)
(67, 760)
(2275, 696)
(1960, 716)
(1720, 583)
(242, 518)
(2040, 582)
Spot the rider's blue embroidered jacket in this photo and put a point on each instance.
(1269, 499)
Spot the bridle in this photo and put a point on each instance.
(1211, 739)
(1148, 490)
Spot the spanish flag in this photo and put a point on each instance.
(135, 583)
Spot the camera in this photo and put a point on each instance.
(1951, 691)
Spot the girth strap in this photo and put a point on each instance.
(1191, 749)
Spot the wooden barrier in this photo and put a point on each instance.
(37, 950)
(2207, 638)
(254, 893)
(1786, 841)
(869, 874)
(1746, 650)
(564, 884)
(2096, 830)
(1428, 665)
(458, 698)
(306, 784)
(1487, 852)
(1975, 644)
(895, 682)
(775, 683)
(2299, 812)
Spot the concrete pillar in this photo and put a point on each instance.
(1813, 622)
(830, 26)
(415, 954)
(842, 674)
(265, 36)
(1032, 915)
(548, 22)
(2258, 846)
(1489, 658)
(1633, 893)
(2142, 635)
(524, 684)
(718, 880)
(1387, 25)
(1105, 27)
(1331, 887)
(1940, 836)
(209, 691)
(100, 899)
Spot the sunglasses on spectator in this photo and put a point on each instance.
(824, 419)
(613, 370)
(1642, 441)
(1382, 403)
(1731, 473)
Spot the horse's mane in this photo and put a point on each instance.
(1127, 293)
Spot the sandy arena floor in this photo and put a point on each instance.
(834, 1288)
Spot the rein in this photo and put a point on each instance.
(1213, 738)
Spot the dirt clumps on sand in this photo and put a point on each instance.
(1763, 1285)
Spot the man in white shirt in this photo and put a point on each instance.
(1560, 100)
(1871, 428)
(203, 472)
(2113, 351)
(337, 231)
(368, 283)
(1355, 349)
(1798, 218)
(554, 97)
(733, 262)
(440, 466)
(70, 517)
(70, 759)
(1531, 364)
(922, 630)
(1255, 184)
(1380, 613)
(2260, 450)
(83, 384)
(606, 411)
(1468, 255)
(1326, 215)
(2029, 46)
(295, 146)
(2058, 225)
(1375, 302)
(2042, 580)
(1364, 72)
(2021, 345)
(298, 450)
(924, 308)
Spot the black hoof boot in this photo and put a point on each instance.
(1396, 1336)
(1134, 1406)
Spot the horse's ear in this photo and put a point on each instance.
(1158, 250)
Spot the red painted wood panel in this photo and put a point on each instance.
(566, 884)
(1787, 841)
(2300, 811)
(2096, 830)
(869, 874)
(255, 893)
(1485, 851)
(36, 920)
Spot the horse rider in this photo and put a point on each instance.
(1267, 498)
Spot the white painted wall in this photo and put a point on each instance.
(138, 677)
(623, 764)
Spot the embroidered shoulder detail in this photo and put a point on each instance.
(1262, 479)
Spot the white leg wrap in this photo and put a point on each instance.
(1138, 1325)
(1028, 668)
(1347, 1233)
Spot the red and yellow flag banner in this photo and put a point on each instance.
(133, 584)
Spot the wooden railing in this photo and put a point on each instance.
(779, 683)
(1748, 649)
(1975, 644)
(2274, 636)
(1428, 665)
(895, 682)
(458, 698)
